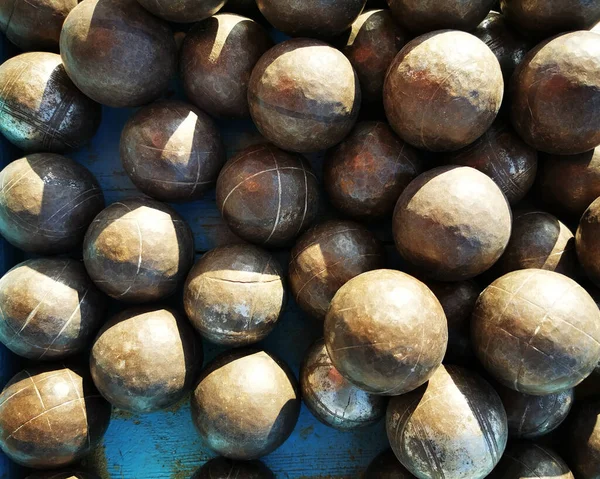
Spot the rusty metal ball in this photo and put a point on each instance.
(587, 242)
(366, 173)
(223, 468)
(42, 110)
(326, 257)
(117, 53)
(246, 404)
(432, 101)
(454, 426)
(526, 460)
(217, 59)
(555, 113)
(583, 439)
(63, 475)
(46, 203)
(183, 11)
(266, 195)
(235, 294)
(387, 466)
(386, 332)
(172, 151)
(51, 416)
(452, 222)
(536, 331)
(138, 250)
(304, 95)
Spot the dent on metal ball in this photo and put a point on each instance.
(246, 404)
(366, 173)
(46, 203)
(63, 475)
(266, 195)
(223, 468)
(51, 416)
(536, 331)
(555, 113)
(183, 11)
(172, 151)
(235, 294)
(326, 257)
(525, 460)
(331, 398)
(117, 53)
(138, 250)
(454, 426)
(42, 110)
(583, 439)
(386, 332)
(304, 95)
(587, 242)
(432, 101)
(387, 466)
(452, 223)
(217, 59)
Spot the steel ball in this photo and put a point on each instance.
(63, 475)
(583, 440)
(46, 203)
(386, 332)
(117, 53)
(235, 294)
(555, 113)
(42, 110)
(216, 62)
(525, 460)
(304, 95)
(51, 416)
(266, 195)
(138, 250)
(536, 331)
(366, 173)
(454, 426)
(172, 151)
(246, 404)
(223, 468)
(387, 466)
(326, 257)
(183, 11)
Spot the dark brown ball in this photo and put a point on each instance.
(246, 404)
(432, 101)
(63, 475)
(145, 359)
(536, 331)
(504, 157)
(235, 294)
(46, 203)
(387, 466)
(366, 173)
(138, 250)
(117, 53)
(183, 11)
(267, 196)
(217, 59)
(556, 113)
(587, 242)
(453, 427)
(172, 151)
(42, 110)
(304, 95)
(386, 332)
(583, 440)
(51, 416)
(453, 223)
(526, 460)
(34, 24)
(326, 257)
(223, 468)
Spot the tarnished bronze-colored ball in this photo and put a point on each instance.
(331, 398)
(452, 222)
(386, 332)
(536, 331)
(172, 151)
(145, 359)
(366, 173)
(51, 416)
(42, 110)
(443, 90)
(504, 157)
(387, 466)
(63, 475)
(138, 250)
(267, 196)
(217, 59)
(223, 468)
(453, 427)
(304, 95)
(583, 440)
(183, 11)
(587, 242)
(246, 404)
(117, 53)
(235, 294)
(555, 92)
(46, 203)
(526, 460)
(326, 257)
